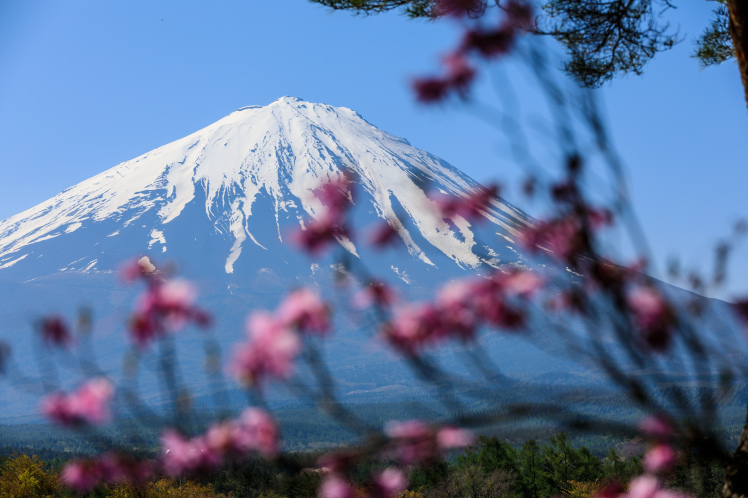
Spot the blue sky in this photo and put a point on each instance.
(87, 84)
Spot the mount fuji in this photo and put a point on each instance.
(223, 201)
(221, 206)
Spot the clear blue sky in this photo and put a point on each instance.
(87, 84)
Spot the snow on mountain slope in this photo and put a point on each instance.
(281, 152)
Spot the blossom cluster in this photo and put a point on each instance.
(461, 308)
(274, 339)
(331, 225)
(89, 404)
(84, 475)
(253, 431)
(659, 459)
(488, 43)
(411, 442)
(166, 305)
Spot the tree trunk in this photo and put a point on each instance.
(738, 11)
(736, 473)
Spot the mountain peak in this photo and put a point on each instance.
(280, 153)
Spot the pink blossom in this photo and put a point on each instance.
(413, 441)
(659, 458)
(645, 486)
(186, 455)
(339, 462)
(519, 282)
(652, 316)
(81, 476)
(562, 237)
(613, 490)
(257, 431)
(137, 269)
(657, 427)
(269, 351)
(320, 233)
(334, 486)
(471, 207)
(489, 43)
(84, 475)
(430, 90)
(55, 331)
(305, 311)
(414, 326)
(376, 293)
(165, 307)
(88, 405)
(389, 483)
(460, 73)
(336, 195)
(383, 235)
(454, 300)
(453, 437)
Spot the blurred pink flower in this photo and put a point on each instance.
(388, 483)
(334, 486)
(137, 269)
(453, 437)
(319, 234)
(270, 350)
(660, 458)
(257, 431)
(454, 301)
(460, 73)
(383, 235)
(657, 427)
(375, 293)
(414, 326)
(165, 307)
(88, 405)
(414, 442)
(490, 43)
(55, 331)
(336, 195)
(305, 311)
(652, 316)
(186, 455)
(430, 90)
(84, 475)
(81, 476)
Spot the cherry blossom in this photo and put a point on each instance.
(55, 331)
(334, 486)
(376, 293)
(415, 442)
(383, 235)
(163, 308)
(652, 316)
(430, 90)
(84, 475)
(388, 483)
(270, 350)
(88, 405)
(305, 311)
(137, 269)
(659, 458)
(657, 427)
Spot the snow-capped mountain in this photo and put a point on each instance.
(230, 194)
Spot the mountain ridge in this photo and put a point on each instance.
(281, 151)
